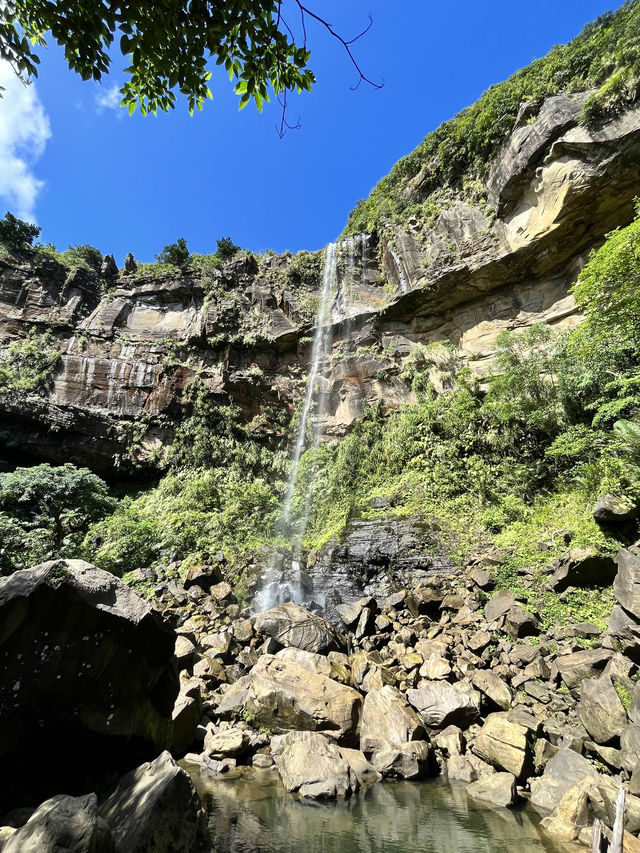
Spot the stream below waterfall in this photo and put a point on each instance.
(249, 812)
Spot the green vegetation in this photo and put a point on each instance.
(451, 159)
(175, 254)
(16, 235)
(226, 248)
(46, 511)
(29, 364)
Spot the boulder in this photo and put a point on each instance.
(365, 773)
(312, 766)
(626, 586)
(155, 807)
(498, 789)
(493, 688)
(499, 604)
(574, 668)
(282, 695)
(226, 743)
(187, 713)
(612, 510)
(314, 663)
(561, 772)
(440, 704)
(626, 631)
(630, 747)
(87, 668)
(600, 710)
(520, 622)
(387, 720)
(505, 745)
(63, 823)
(583, 567)
(404, 761)
(291, 625)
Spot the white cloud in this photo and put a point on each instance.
(109, 99)
(24, 130)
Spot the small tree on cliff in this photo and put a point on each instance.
(17, 235)
(176, 253)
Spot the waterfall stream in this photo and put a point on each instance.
(278, 587)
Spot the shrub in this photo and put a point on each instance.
(17, 235)
(226, 248)
(175, 254)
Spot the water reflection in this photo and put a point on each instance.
(253, 814)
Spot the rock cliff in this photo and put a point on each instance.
(130, 354)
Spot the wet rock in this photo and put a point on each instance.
(583, 567)
(626, 586)
(63, 823)
(440, 704)
(504, 745)
(498, 789)
(155, 807)
(292, 625)
(562, 771)
(313, 767)
(387, 720)
(87, 668)
(600, 710)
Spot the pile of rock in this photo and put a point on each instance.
(451, 677)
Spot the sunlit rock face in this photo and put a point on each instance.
(244, 331)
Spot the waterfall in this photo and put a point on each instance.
(274, 588)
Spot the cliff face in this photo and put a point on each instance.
(128, 356)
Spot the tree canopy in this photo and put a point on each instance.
(170, 45)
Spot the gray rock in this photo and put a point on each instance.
(388, 721)
(583, 567)
(90, 667)
(574, 668)
(440, 704)
(505, 745)
(612, 510)
(626, 586)
(493, 688)
(520, 623)
(562, 771)
(498, 789)
(226, 743)
(313, 767)
(600, 710)
(404, 761)
(630, 747)
(499, 604)
(109, 267)
(63, 824)
(155, 807)
(292, 625)
(129, 263)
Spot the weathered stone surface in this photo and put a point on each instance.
(612, 510)
(86, 668)
(403, 761)
(283, 695)
(226, 743)
(583, 567)
(155, 807)
(292, 625)
(314, 663)
(313, 767)
(561, 772)
(504, 745)
(63, 824)
(520, 622)
(387, 720)
(498, 789)
(440, 704)
(626, 586)
(600, 710)
(365, 773)
(574, 668)
(493, 687)
(499, 604)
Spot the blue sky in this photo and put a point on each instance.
(88, 173)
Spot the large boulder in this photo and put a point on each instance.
(440, 704)
(312, 766)
(626, 586)
(562, 771)
(284, 696)
(600, 710)
(493, 687)
(156, 808)
(505, 745)
(577, 666)
(583, 567)
(63, 823)
(410, 760)
(499, 789)
(387, 720)
(87, 668)
(291, 625)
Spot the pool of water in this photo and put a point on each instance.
(251, 812)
